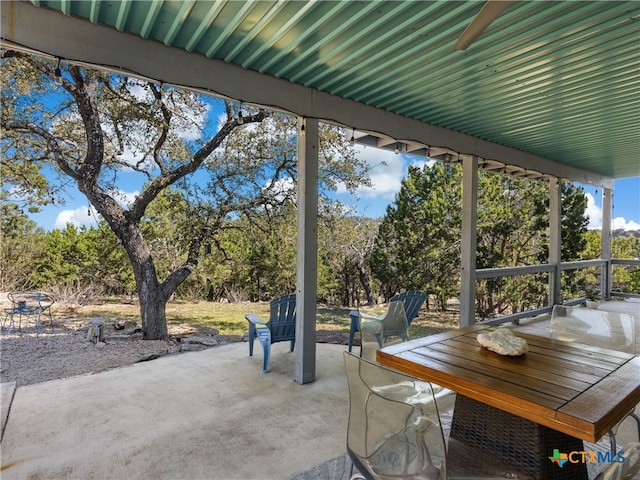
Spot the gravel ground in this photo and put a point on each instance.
(26, 358)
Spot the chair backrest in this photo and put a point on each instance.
(615, 331)
(413, 300)
(394, 429)
(282, 318)
(395, 322)
(30, 300)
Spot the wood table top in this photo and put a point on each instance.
(577, 389)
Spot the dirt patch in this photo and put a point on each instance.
(431, 322)
(27, 358)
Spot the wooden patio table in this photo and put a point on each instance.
(576, 391)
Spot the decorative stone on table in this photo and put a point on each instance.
(503, 342)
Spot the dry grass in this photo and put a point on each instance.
(228, 318)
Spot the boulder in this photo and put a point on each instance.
(192, 347)
(123, 337)
(199, 339)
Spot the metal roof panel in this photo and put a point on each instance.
(557, 79)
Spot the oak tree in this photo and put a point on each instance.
(62, 123)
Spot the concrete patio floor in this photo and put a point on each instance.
(202, 415)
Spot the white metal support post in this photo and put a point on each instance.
(469, 241)
(605, 254)
(307, 248)
(555, 241)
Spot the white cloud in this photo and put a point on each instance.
(140, 93)
(386, 170)
(222, 119)
(194, 123)
(125, 199)
(282, 189)
(621, 223)
(88, 216)
(594, 212)
(78, 217)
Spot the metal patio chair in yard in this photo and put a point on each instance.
(394, 430)
(412, 301)
(281, 326)
(610, 330)
(31, 306)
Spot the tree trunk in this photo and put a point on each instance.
(152, 295)
(154, 322)
(364, 279)
(152, 304)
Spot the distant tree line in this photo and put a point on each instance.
(416, 245)
(418, 242)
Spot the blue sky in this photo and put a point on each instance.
(387, 171)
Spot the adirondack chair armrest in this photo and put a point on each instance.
(372, 325)
(257, 321)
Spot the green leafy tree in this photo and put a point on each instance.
(226, 269)
(20, 245)
(512, 222)
(113, 274)
(93, 127)
(574, 222)
(67, 256)
(345, 245)
(268, 260)
(574, 229)
(515, 232)
(626, 279)
(418, 241)
(271, 248)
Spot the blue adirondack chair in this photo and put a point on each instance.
(281, 326)
(412, 299)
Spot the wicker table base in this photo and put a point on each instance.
(519, 444)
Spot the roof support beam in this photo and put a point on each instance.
(307, 248)
(46, 31)
(469, 241)
(607, 208)
(555, 242)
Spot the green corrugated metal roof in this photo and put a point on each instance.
(556, 79)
